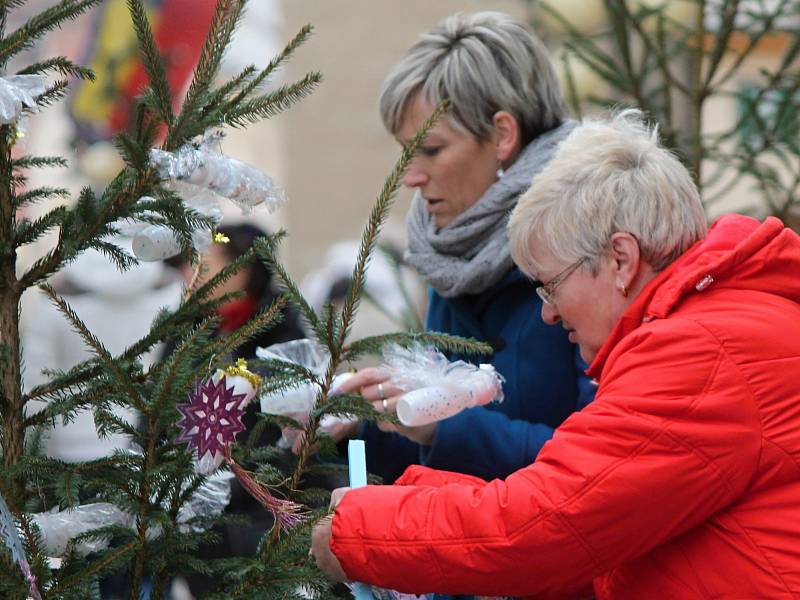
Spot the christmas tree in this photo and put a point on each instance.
(145, 509)
(684, 64)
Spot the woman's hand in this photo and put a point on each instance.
(320, 542)
(372, 384)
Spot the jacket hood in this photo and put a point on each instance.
(738, 253)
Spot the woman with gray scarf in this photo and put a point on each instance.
(506, 119)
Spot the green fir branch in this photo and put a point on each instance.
(38, 194)
(266, 249)
(134, 155)
(39, 25)
(121, 259)
(111, 366)
(276, 368)
(212, 101)
(179, 370)
(270, 105)
(377, 216)
(56, 92)
(152, 61)
(445, 342)
(36, 162)
(103, 565)
(30, 231)
(226, 18)
(298, 40)
(261, 322)
(62, 66)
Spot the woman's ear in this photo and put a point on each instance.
(506, 136)
(624, 250)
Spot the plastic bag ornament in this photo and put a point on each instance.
(58, 528)
(157, 242)
(18, 92)
(298, 401)
(200, 165)
(8, 530)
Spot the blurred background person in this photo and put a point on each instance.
(116, 306)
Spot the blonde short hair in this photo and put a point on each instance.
(482, 62)
(608, 176)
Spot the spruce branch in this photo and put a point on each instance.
(380, 211)
(30, 231)
(218, 97)
(133, 153)
(298, 40)
(115, 556)
(31, 162)
(152, 61)
(111, 366)
(179, 362)
(39, 25)
(445, 342)
(225, 19)
(264, 320)
(285, 369)
(39, 194)
(269, 105)
(266, 249)
(60, 65)
(53, 94)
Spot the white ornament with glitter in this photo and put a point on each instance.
(436, 388)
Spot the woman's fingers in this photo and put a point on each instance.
(365, 377)
(337, 495)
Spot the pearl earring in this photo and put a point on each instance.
(500, 170)
(623, 290)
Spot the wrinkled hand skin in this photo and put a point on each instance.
(320, 542)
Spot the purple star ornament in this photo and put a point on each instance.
(211, 419)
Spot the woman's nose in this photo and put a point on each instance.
(414, 177)
(550, 314)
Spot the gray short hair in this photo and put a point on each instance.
(608, 176)
(483, 62)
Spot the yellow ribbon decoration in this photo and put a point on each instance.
(240, 369)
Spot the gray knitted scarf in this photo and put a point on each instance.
(472, 253)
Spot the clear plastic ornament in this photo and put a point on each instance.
(243, 184)
(18, 92)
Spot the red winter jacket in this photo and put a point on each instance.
(680, 481)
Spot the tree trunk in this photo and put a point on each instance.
(11, 409)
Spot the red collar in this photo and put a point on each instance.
(236, 313)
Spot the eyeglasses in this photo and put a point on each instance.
(547, 290)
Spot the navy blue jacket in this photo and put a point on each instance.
(544, 383)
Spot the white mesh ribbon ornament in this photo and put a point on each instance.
(18, 92)
(201, 166)
(436, 388)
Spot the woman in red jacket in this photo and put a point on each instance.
(682, 479)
